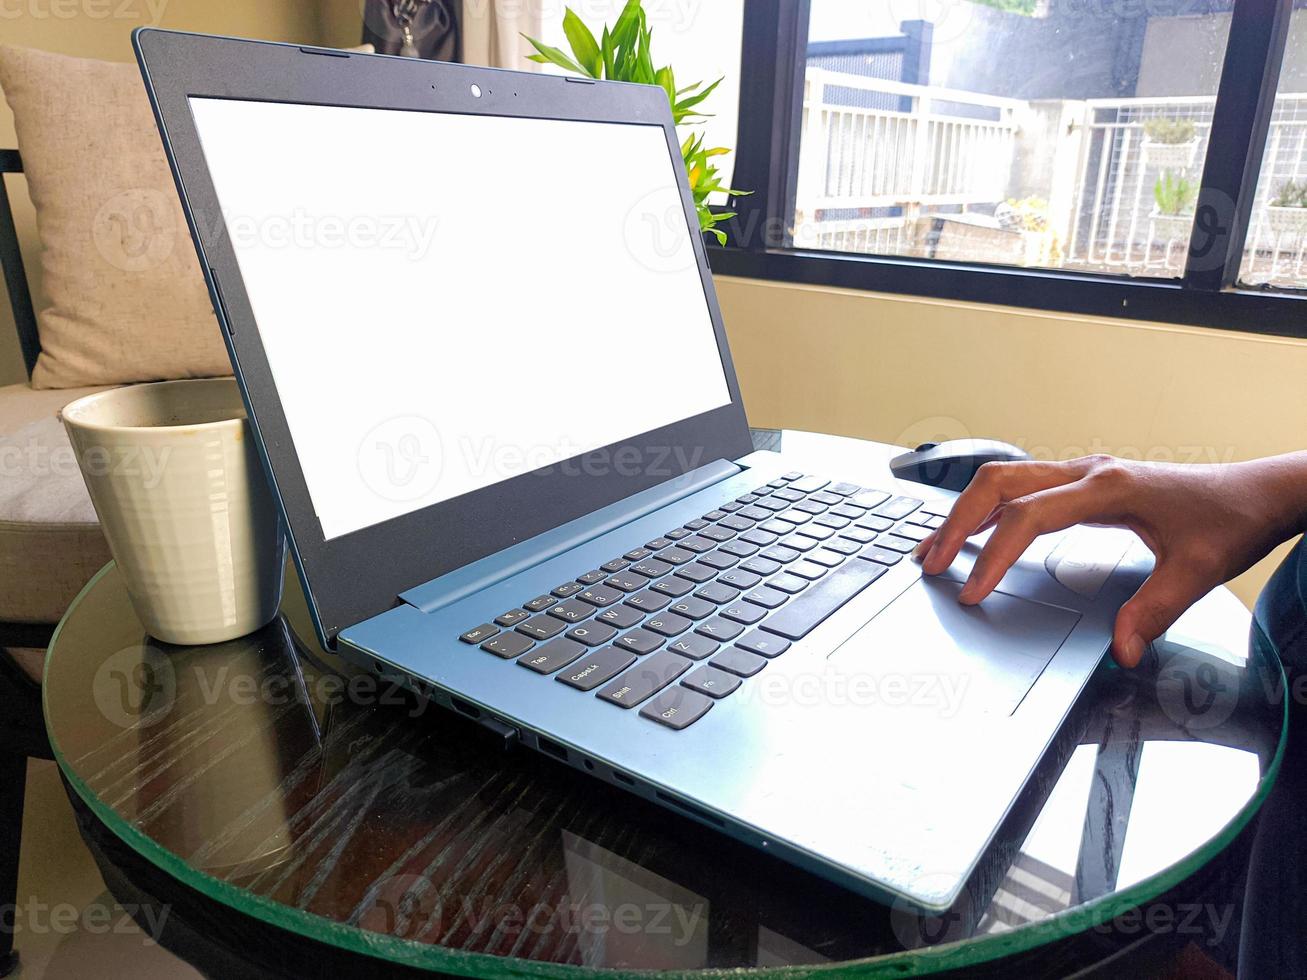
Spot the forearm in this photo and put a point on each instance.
(1280, 483)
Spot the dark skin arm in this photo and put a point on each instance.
(1205, 524)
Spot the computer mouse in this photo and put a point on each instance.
(951, 465)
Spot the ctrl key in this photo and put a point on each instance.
(677, 708)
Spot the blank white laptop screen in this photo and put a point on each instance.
(448, 301)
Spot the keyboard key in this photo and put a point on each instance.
(572, 611)
(623, 617)
(591, 578)
(764, 490)
(881, 556)
(677, 708)
(827, 498)
(717, 561)
(809, 570)
(677, 533)
(676, 556)
(698, 544)
(789, 494)
(758, 537)
(774, 505)
(508, 645)
(874, 523)
(645, 679)
(567, 589)
(846, 511)
(736, 523)
(798, 542)
(637, 554)
(717, 629)
(699, 571)
(718, 593)
(869, 498)
(896, 543)
(542, 627)
(540, 603)
(744, 612)
(807, 611)
(932, 521)
(639, 641)
(740, 579)
(844, 489)
(780, 553)
(833, 522)
(754, 514)
(795, 517)
(589, 672)
(693, 646)
(594, 634)
(816, 532)
(658, 544)
(714, 515)
(776, 527)
(763, 644)
(675, 586)
(747, 499)
(791, 475)
(843, 546)
(898, 508)
(717, 534)
(697, 524)
(810, 507)
(651, 568)
(914, 531)
(512, 617)
(827, 558)
(552, 656)
(601, 596)
(616, 565)
(712, 681)
(480, 634)
(760, 566)
(777, 483)
(627, 582)
(729, 508)
(809, 484)
(648, 601)
(693, 608)
(766, 597)
(739, 662)
(668, 624)
(861, 535)
(789, 583)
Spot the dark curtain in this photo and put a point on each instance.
(417, 28)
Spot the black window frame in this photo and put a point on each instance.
(1208, 294)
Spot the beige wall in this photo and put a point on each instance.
(102, 29)
(905, 370)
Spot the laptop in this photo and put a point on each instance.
(473, 321)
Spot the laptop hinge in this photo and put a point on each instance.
(482, 574)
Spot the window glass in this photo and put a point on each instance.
(1064, 134)
(1275, 251)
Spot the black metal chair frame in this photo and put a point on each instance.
(22, 727)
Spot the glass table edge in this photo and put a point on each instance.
(423, 956)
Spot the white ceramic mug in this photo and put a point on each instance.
(175, 479)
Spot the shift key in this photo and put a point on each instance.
(645, 679)
(810, 608)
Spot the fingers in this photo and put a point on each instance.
(994, 485)
(1019, 523)
(1173, 587)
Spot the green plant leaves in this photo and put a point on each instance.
(1174, 195)
(583, 43)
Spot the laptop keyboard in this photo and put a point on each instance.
(709, 604)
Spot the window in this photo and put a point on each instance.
(1056, 135)
(1075, 155)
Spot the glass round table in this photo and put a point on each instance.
(286, 814)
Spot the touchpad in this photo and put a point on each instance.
(989, 655)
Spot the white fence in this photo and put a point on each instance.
(877, 156)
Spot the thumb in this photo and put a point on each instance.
(1169, 591)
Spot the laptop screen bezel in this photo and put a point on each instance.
(358, 575)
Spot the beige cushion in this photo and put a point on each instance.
(126, 298)
(50, 540)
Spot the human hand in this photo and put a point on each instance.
(1204, 524)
